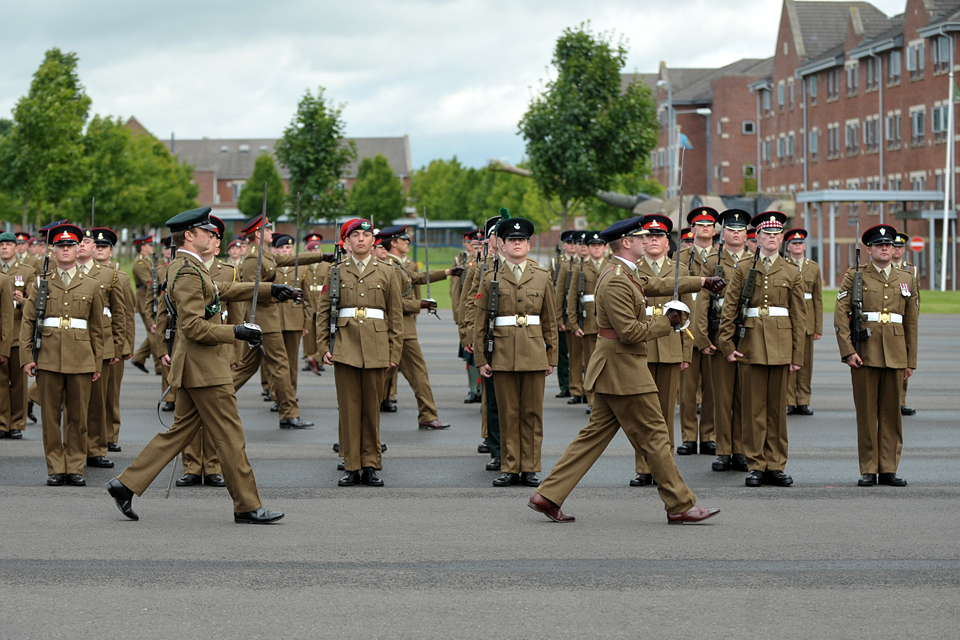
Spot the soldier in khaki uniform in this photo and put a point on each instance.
(891, 306)
(524, 350)
(114, 339)
(696, 381)
(567, 283)
(200, 371)
(69, 359)
(899, 247)
(143, 282)
(471, 245)
(771, 347)
(624, 390)
(560, 267)
(585, 324)
(366, 346)
(293, 315)
(668, 355)
(13, 383)
(798, 383)
(312, 277)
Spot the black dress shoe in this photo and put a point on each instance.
(16, 434)
(494, 464)
(55, 480)
(75, 480)
(350, 479)
(336, 447)
(383, 447)
(643, 480)
(908, 411)
(867, 480)
(483, 447)
(30, 415)
(777, 478)
(139, 365)
(687, 449)
(295, 423)
(506, 479)
(4, 435)
(123, 497)
(114, 447)
(214, 480)
(99, 462)
(370, 478)
(168, 406)
(564, 394)
(708, 448)
(754, 479)
(739, 462)
(529, 479)
(260, 516)
(472, 398)
(265, 393)
(306, 367)
(575, 400)
(342, 465)
(388, 406)
(722, 463)
(188, 480)
(589, 410)
(321, 368)
(791, 409)
(275, 407)
(802, 410)
(891, 480)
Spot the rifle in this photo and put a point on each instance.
(93, 208)
(335, 288)
(493, 308)
(857, 333)
(566, 289)
(745, 295)
(676, 266)
(581, 288)
(43, 292)
(155, 278)
(171, 331)
(713, 313)
(426, 265)
(556, 263)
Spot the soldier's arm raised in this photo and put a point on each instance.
(618, 302)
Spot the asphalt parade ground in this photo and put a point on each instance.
(439, 552)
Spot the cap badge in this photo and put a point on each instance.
(736, 216)
(516, 225)
(364, 225)
(65, 235)
(100, 236)
(883, 231)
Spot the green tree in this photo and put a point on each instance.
(40, 159)
(582, 131)
(378, 192)
(315, 153)
(166, 185)
(251, 197)
(446, 189)
(108, 167)
(600, 215)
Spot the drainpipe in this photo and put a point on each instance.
(881, 124)
(806, 160)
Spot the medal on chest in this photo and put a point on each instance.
(905, 289)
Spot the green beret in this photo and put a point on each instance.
(7, 236)
(191, 219)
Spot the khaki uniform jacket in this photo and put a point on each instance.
(129, 319)
(312, 277)
(231, 312)
(674, 347)
(293, 315)
(8, 336)
(268, 312)
(812, 283)
(411, 297)
(363, 343)
(456, 284)
(142, 280)
(562, 287)
(114, 310)
(471, 286)
(701, 317)
(23, 279)
(698, 266)
(66, 350)
(891, 345)
(589, 289)
(768, 340)
(528, 348)
(619, 367)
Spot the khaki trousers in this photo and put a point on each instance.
(520, 409)
(291, 341)
(214, 408)
(310, 340)
(876, 396)
(798, 382)
(575, 345)
(588, 344)
(639, 417)
(13, 398)
(697, 378)
(200, 455)
(276, 369)
(33, 394)
(903, 393)
(359, 392)
(97, 433)
(666, 375)
(727, 419)
(66, 450)
(414, 369)
(764, 416)
(113, 402)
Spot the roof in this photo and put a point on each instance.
(649, 79)
(234, 158)
(823, 25)
(696, 82)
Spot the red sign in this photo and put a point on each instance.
(917, 244)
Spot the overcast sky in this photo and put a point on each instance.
(455, 75)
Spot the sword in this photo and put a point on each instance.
(256, 285)
(426, 264)
(93, 208)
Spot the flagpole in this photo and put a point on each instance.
(948, 178)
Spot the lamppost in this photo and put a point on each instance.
(671, 143)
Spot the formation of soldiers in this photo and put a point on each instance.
(634, 330)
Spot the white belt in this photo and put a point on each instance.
(65, 323)
(694, 295)
(883, 317)
(654, 311)
(719, 302)
(316, 287)
(759, 312)
(808, 296)
(515, 321)
(589, 298)
(360, 312)
(106, 312)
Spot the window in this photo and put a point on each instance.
(790, 147)
(790, 85)
(719, 128)
(766, 151)
(224, 149)
(244, 148)
(812, 82)
(780, 95)
(871, 65)
(748, 127)
(813, 145)
(766, 101)
(853, 79)
(749, 171)
(833, 140)
(718, 172)
(917, 127)
(852, 138)
(653, 159)
(941, 54)
(781, 143)
(938, 122)
(662, 162)
(915, 61)
(237, 188)
(893, 73)
(833, 84)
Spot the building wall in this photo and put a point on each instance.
(731, 148)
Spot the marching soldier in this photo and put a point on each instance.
(899, 248)
(69, 357)
(581, 314)
(668, 355)
(234, 252)
(471, 245)
(13, 384)
(367, 344)
(23, 253)
(884, 355)
(312, 278)
(798, 383)
(143, 282)
(293, 315)
(523, 350)
(696, 381)
(687, 237)
(567, 283)
(772, 345)
(561, 269)
(752, 241)
(725, 376)
(624, 390)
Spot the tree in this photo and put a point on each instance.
(40, 157)
(251, 197)
(600, 214)
(582, 130)
(378, 192)
(166, 184)
(313, 150)
(446, 189)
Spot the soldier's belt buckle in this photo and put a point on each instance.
(658, 311)
(361, 313)
(764, 312)
(884, 317)
(522, 320)
(65, 322)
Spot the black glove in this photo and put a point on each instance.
(714, 284)
(674, 316)
(329, 257)
(428, 304)
(249, 332)
(456, 271)
(284, 292)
